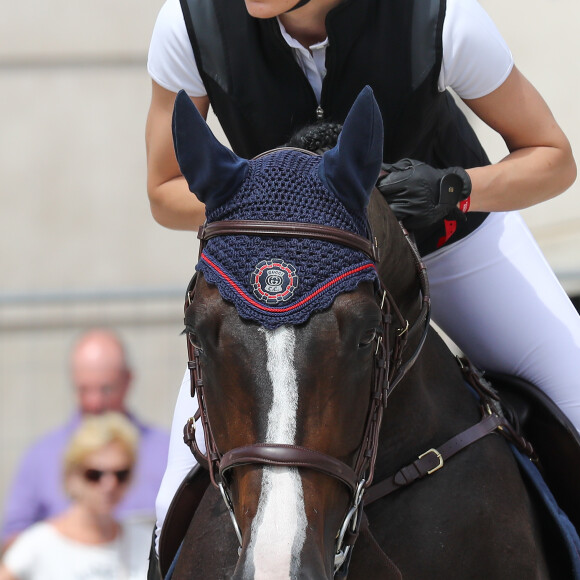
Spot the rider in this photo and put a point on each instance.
(269, 67)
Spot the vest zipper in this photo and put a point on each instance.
(290, 55)
(328, 63)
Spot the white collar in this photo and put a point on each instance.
(291, 41)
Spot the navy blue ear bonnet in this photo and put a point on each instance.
(278, 281)
(270, 280)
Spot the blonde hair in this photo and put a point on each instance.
(97, 431)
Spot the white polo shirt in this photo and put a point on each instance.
(476, 59)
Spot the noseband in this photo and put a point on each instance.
(388, 370)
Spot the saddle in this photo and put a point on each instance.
(179, 516)
(553, 437)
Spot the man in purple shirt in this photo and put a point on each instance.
(101, 378)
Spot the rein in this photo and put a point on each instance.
(389, 369)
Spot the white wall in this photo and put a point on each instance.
(74, 216)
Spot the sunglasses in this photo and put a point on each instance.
(95, 475)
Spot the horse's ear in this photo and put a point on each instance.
(213, 172)
(351, 168)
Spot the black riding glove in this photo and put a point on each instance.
(421, 195)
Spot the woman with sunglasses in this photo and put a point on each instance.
(86, 541)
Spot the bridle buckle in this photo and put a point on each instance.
(439, 459)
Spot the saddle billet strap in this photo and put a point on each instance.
(433, 459)
(289, 456)
(289, 230)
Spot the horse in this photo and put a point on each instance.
(344, 439)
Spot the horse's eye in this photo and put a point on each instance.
(368, 337)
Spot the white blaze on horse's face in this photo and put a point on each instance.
(279, 528)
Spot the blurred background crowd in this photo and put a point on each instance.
(80, 250)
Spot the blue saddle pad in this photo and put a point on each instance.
(169, 574)
(567, 530)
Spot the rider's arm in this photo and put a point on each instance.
(172, 204)
(540, 164)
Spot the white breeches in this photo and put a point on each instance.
(496, 297)
(180, 460)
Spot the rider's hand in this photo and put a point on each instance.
(421, 195)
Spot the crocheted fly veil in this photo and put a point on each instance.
(270, 280)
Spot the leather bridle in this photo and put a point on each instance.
(388, 370)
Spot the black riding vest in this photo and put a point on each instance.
(261, 95)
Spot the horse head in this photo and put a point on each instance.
(289, 336)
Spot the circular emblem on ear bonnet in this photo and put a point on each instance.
(274, 281)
